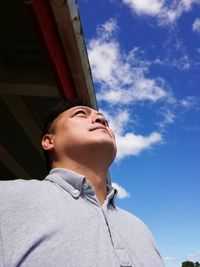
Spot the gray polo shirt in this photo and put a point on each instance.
(58, 222)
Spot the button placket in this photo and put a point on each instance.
(118, 243)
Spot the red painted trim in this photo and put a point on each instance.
(43, 16)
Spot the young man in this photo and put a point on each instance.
(70, 219)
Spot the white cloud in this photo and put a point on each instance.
(179, 60)
(131, 144)
(189, 102)
(128, 143)
(176, 53)
(122, 193)
(196, 25)
(168, 117)
(182, 63)
(121, 77)
(169, 113)
(166, 12)
(148, 7)
(118, 120)
(143, 89)
(187, 4)
(186, 102)
(108, 28)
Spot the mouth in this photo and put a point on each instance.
(103, 128)
(99, 127)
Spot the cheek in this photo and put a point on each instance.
(67, 136)
(112, 134)
(61, 136)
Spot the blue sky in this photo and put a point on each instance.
(145, 61)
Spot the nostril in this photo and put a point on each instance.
(98, 120)
(101, 120)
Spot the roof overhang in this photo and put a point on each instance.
(43, 58)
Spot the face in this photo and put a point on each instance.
(80, 129)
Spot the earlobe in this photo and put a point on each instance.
(47, 142)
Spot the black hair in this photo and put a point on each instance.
(54, 112)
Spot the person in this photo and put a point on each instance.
(70, 219)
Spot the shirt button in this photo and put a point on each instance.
(85, 186)
(76, 193)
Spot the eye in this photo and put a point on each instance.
(80, 112)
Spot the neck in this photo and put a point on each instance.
(95, 172)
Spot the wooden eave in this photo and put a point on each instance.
(42, 59)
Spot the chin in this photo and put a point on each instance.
(111, 152)
(105, 148)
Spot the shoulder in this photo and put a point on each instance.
(127, 217)
(134, 225)
(19, 186)
(22, 192)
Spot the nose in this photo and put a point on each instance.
(100, 119)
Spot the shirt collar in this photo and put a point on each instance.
(74, 182)
(69, 180)
(112, 194)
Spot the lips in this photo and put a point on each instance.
(99, 127)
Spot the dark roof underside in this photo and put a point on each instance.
(29, 87)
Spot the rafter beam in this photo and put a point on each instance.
(29, 90)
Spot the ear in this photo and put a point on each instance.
(47, 142)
